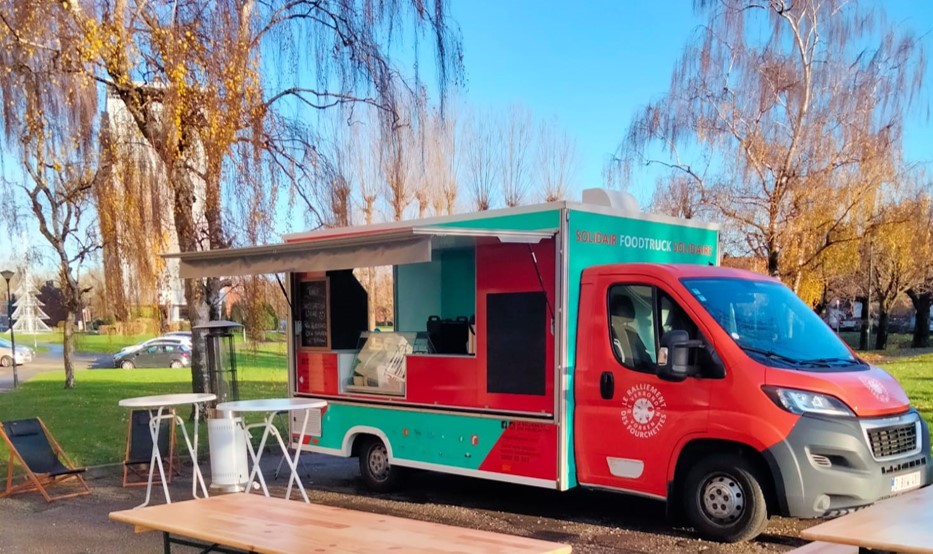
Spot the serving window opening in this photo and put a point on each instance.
(472, 327)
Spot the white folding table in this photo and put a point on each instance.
(157, 406)
(273, 406)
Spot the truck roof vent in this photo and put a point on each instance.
(611, 199)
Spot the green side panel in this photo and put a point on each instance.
(458, 282)
(445, 439)
(418, 294)
(533, 221)
(597, 239)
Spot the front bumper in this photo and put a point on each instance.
(826, 467)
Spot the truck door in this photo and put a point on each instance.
(628, 421)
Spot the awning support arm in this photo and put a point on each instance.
(284, 293)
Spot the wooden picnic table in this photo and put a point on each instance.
(902, 523)
(255, 523)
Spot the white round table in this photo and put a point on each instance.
(273, 406)
(158, 404)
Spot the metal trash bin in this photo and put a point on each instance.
(229, 469)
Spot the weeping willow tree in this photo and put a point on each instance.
(223, 92)
(785, 118)
(49, 118)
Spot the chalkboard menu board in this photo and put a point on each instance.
(314, 314)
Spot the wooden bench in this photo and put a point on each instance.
(825, 548)
(897, 524)
(255, 523)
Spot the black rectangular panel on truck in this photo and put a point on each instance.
(516, 342)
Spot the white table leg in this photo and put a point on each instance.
(257, 457)
(196, 476)
(155, 425)
(293, 462)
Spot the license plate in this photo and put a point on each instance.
(905, 482)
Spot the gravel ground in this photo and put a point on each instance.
(592, 522)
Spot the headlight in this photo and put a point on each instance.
(805, 402)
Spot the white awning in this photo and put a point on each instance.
(397, 247)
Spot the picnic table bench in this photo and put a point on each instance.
(254, 523)
(903, 524)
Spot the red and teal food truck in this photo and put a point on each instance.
(585, 345)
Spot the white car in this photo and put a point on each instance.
(24, 354)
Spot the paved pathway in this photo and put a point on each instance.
(52, 360)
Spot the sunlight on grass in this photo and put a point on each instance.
(89, 424)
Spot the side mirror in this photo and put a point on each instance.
(674, 356)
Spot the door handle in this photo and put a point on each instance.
(607, 385)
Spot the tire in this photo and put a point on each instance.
(6, 361)
(723, 499)
(128, 365)
(176, 364)
(375, 469)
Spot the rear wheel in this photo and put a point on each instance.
(723, 499)
(378, 474)
(6, 361)
(127, 365)
(176, 364)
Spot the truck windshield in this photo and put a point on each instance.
(772, 324)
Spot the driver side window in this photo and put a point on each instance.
(632, 326)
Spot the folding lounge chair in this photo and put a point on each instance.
(42, 458)
(139, 448)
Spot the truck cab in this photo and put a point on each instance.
(721, 392)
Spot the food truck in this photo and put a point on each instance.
(585, 345)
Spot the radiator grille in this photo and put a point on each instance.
(893, 441)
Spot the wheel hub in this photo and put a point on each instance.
(723, 499)
(379, 462)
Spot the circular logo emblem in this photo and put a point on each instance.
(643, 411)
(876, 388)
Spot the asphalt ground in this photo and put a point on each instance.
(592, 522)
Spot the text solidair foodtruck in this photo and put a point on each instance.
(643, 243)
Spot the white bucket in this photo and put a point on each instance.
(229, 470)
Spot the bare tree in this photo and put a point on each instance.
(516, 154)
(482, 159)
(799, 125)
(557, 161)
(48, 120)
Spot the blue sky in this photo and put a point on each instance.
(591, 64)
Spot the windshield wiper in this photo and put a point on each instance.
(839, 361)
(771, 354)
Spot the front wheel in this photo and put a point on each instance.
(377, 473)
(723, 499)
(6, 361)
(127, 365)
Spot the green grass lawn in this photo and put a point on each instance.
(89, 424)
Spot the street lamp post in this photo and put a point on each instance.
(7, 275)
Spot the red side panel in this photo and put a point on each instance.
(316, 373)
(303, 372)
(502, 268)
(443, 380)
(526, 449)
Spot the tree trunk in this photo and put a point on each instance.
(863, 332)
(68, 349)
(881, 339)
(922, 302)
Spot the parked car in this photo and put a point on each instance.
(157, 353)
(169, 338)
(24, 354)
